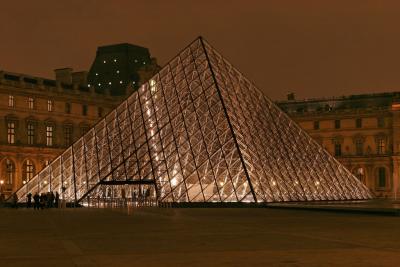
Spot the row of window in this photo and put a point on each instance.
(50, 106)
(31, 133)
(381, 179)
(28, 171)
(380, 147)
(380, 121)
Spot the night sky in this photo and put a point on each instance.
(311, 48)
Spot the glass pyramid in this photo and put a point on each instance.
(198, 131)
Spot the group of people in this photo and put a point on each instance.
(44, 200)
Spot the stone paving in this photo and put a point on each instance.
(196, 237)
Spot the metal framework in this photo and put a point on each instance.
(198, 131)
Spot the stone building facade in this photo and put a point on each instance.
(361, 131)
(39, 118)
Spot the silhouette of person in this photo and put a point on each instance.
(56, 199)
(36, 200)
(29, 200)
(15, 200)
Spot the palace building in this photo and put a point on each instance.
(41, 117)
(361, 131)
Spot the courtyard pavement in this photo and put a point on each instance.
(196, 237)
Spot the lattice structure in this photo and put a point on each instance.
(199, 131)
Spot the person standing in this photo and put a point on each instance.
(15, 200)
(56, 199)
(29, 200)
(42, 200)
(36, 200)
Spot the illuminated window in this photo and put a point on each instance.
(10, 171)
(359, 173)
(28, 170)
(84, 110)
(381, 145)
(67, 135)
(358, 123)
(49, 105)
(31, 133)
(49, 135)
(68, 108)
(11, 102)
(11, 132)
(31, 103)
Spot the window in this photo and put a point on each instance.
(380, 145)
(11, 102)
(381, 177)
(49, 105)
(68, 108)
(31, 103)
(316, 125)
(28, 170)
(31, 133)
(100, 112)
(381, 122)
(49, 135)
(10, 171)
(67, 135)
(337, 124)
(359, 173)
(358, 123)
(11, 132)
(338, 149)
(359, 147)
(84, 110)
(84, 129)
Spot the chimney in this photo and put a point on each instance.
(290, 96)
(64, 75)
(79, 77)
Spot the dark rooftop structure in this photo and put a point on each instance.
(116, 66)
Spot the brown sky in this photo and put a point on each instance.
(313, 48)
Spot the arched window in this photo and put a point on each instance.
(10, 171)
(359, 172)
(381, 182)
(28, 170)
